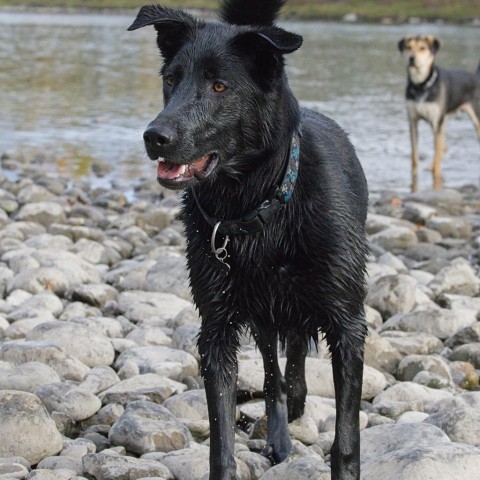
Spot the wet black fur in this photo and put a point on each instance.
(305, 272)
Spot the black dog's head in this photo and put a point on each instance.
(217, 78)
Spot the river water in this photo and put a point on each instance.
(79, 89)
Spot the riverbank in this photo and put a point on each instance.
(98, 355)
(410, 11)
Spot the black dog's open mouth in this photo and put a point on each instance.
(177, 173)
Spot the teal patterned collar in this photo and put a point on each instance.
(256, 220)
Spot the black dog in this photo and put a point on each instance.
(274, 210)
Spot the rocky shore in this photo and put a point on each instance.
(99, 373)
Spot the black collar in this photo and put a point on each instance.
(256, 220)
(426, 84)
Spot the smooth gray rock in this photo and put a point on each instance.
(169, 274)
(411, 451)
(67, 398)
(256, 463)
(410, 343)
(460, 424)
(452, 301)
(150, 307)
(172, 363)
(129, 274)
(442, 462)
(94, 294)
(148, 427)
(13, 471)
(34, 193)
(395, 238)
(147, 335)
(62, 463)
(382, 439)
(392, 294)
(451, 227)
(151, 386)
(441, 322)
(44, 213)
(393, 261)
(106, 326)
(44, 301)
(191, 404)
(467, 353)
(374, 318)
(412, 392)
(380, 354)
(300, 469)
(24, 420)
(448, 200)
(90, 347)
(376, 223)
(185, 338)
(413, 364)
(394, 409)
(418, 213)
(458, 278)
(27, 377)
(110, 466)
(91, 251)
(67, 367)
(47, 240)
(99, 379)
(189, 463)
(304, 429)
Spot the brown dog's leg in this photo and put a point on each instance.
(473, 117)
(439, 140)
(414, 145)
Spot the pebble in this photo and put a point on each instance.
(98, 353)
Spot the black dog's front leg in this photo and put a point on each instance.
(347, 363)
(219, 370)
(278, 444)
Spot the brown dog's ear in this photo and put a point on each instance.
(173, 27)
(434, 43)
(402, 43)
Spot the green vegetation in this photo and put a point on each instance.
(369, 10)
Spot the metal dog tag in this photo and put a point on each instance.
(220, 253)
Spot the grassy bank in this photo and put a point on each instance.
(369, 10)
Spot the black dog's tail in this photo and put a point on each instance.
(478, 69)
(250, 12)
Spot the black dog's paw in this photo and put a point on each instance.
(278, 452)
(296, 407)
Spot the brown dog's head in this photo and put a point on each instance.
(419, 53)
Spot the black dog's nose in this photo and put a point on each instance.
(411, 61)
(158, 136)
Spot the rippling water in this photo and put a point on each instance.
(80, 89)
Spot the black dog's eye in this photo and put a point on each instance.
(169, 80)
(219, 87)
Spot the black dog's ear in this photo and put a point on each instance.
(264, 48)
(276, 39)
(173, 27)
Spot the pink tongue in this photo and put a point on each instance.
(168, 170)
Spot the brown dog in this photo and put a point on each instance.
(433, 92)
